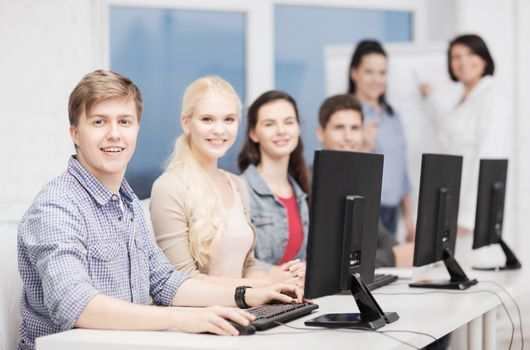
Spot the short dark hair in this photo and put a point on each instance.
(337, 103)
(477, 46)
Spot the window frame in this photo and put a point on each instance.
(259, 28)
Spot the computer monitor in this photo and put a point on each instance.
(437, 219)
(344, 216)
(490, 210)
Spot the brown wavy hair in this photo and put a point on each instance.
(250, 153)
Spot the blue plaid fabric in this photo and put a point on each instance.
(76, 241)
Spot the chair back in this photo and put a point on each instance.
(10, 286)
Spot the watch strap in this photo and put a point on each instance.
(239, 297)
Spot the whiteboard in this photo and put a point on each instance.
(408, 65)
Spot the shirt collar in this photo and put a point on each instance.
(368, 109)
(256, 182)
(297, 189)
(484, 82)
(94, 187)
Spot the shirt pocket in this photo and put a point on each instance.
(142, 273)
(104, 250)
(267, 241)
(142, 249)
(108, 267)
(260, 220)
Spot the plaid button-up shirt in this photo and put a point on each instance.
(77, 240)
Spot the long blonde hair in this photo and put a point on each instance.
(203, 207)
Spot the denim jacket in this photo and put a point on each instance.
(269, 217)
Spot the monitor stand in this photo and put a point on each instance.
(458, 280)
(512, 263)
(371, 315)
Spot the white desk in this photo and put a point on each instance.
(436, 314)
(481, 332)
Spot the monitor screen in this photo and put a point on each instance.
(489, 217)
(436, 227)
(490, 202)
(344, 216)
(437, 207)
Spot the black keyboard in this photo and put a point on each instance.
(381, 280)
(268, 315)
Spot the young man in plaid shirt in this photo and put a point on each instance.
(85, 253)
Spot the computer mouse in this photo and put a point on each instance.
(243, 330)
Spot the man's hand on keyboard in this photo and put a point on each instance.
(211, 319)
(284, 293)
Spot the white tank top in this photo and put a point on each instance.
(231, 247)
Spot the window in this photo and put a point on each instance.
(163, 51)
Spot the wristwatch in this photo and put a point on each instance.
(239, 297)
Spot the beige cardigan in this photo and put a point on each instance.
(170, 224)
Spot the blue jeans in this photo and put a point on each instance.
(388, 215)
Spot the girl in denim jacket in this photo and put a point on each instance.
(276, 174)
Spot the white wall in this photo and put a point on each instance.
(441, 20)
(522, 85)
(45, 47)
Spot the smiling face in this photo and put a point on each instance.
(105, 139)
(466, 66)
(277, 129)
(370, 77)
(343, 131)
(212, 127)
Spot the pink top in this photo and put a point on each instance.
(232, 246)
